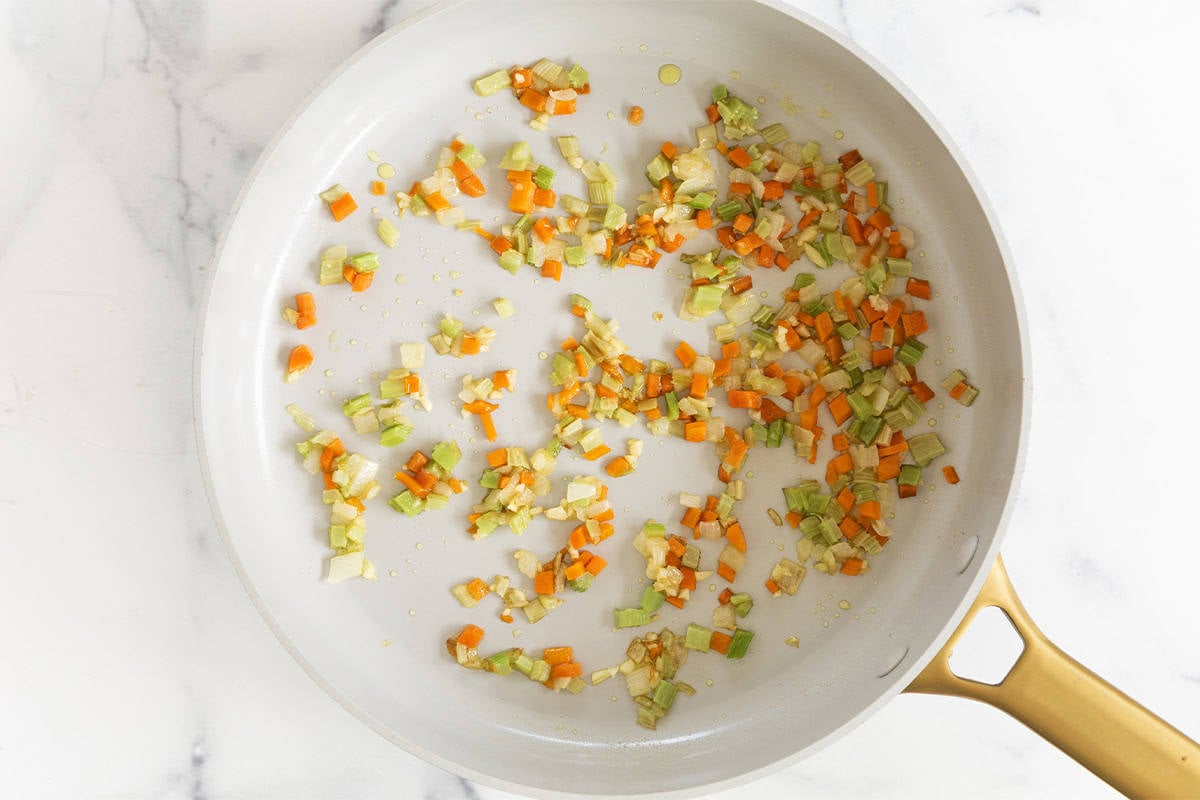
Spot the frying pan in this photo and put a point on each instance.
(376, 646)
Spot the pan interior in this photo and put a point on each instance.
(377, 645)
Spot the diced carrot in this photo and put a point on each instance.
(685, 354)
(772, 190)
(361, 281)
(922, 391)
(470, 345)
(596, 565)
(699, 386)
(958, 390)
(470, 636)
(378, 188)
(824, 325)
(883, 357)
(299, 359)
(416, 462)
(501, 245)
(546, 198)
(852, 566)
(533, 99)
(740, 188)
(574, 571)
(888, 468)
(914, 324)
(950, 474)
(726, 571)
(477, 588)
(742, 222)
(636, 115)
(412, 484)
(564, 107)
(919, 288)
(839, 407)
(695, 431)
(571, 669)
(497, 457)
(719, 642)
(489, 425)
(712, 113)
(744, 398)
(597, 452)
(618, 466)
(543, 582)
(521, 200)
(736, 536)
(557, 655)
(552, 269)
(678, 602)
(841, 442)
(870, 510)
(704, 219)
(739, 157)
(342, 207)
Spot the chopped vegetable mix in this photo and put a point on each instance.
(832, 376)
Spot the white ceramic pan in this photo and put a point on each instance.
(404, 95)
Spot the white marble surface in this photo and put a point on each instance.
(134, 666)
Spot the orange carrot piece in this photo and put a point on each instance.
(362, 281)
(695, 431)
(919, 288)
(497, 458)
(618, 466)
(685, 354)
(546, 198)
(299, 359)
(922, 391)
(477, 588)
(950, 474)
(704, 219)
(597, 452)
(569, 670)
(489, 426)
(552, 269)
(742, 222)
(839, 407)
(342, 207)
(719, 642)
(852, 566)
(470, 636)
(543, 582)
(596, 565)
(736, 536)
(739, 157)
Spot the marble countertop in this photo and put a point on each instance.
(134, 664)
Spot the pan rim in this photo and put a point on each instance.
(895, 683)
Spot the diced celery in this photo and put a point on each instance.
(630, 617)
(490, 84)
(364, 262)
(543, 177)
(388, 233)
(664, 695)
(333, 259)
(740, 643)
(658, 168)
(910, 475)
(925, 447)
(511, 260)
(575, 256)
(395, 434)
(446, 455)
(697, 637)
(356, 404)
(407, 503)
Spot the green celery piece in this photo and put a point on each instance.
(577, 77)
(702, 200)
(575, 256)
(395, 434)
(490, 84)
(630, 617)
(697, 637)
(490, 479)
(356, 404)
(664, 695)
(910, 475)
(407, 503)
(501, 663)
(652, 599)
(543, 177)
(446, 455)
(582, 583)
(511, 260)
(925, 447)
(740, 643)
(364, 262)
(672, 405)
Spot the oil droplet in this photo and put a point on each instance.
(825, 624)
(871, 610)
(736, 74)
(750, 474)
(612, 115)
(328, 373)
(658, 316)
(779, 548)
(363, 307)
(412, 612)
(436, 277)
(836, 615)
(790, 107)
(479, 116)
(458, 292)
(763, 295)
(762, 99)
(792, 641)
(543, 355)
(385, 313)
(385, 171)
(613, 698)
(320, 391)
(921, 253)
(358, 380)
(823, 113)
(472, 440)
(708, 682)
(353, 342)
(372, 155)
(392, 573)
(399, 277)
(375, 210)
(839, 134)
(844, 605)
(387, 642)
(454, 274)
(516, 633)
(669, 74)
(420, 302)
(933, 423)
(712, 587)
(941, 406)
(419, 546)
(643, 47)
